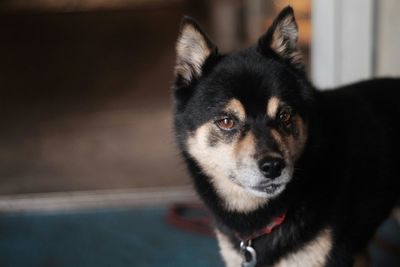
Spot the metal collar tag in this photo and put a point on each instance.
(249, 254)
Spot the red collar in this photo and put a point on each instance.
(276, 221)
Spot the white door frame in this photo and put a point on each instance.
(343, 44)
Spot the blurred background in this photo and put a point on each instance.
(88, 167)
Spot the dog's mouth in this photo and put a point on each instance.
(265, 189)
(268, 188)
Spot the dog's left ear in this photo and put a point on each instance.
(282, 38)
(193, 47)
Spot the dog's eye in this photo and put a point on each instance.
(285, 116)
(226, 123)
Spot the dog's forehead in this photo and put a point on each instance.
(251, 73)
(249, 79)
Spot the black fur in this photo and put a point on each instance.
(346, 177)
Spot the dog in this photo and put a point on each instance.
(293, 176)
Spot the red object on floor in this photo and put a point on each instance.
(190, 217)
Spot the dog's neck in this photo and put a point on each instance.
(266, 230)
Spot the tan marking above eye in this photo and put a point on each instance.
(236, 107)
(273, 106)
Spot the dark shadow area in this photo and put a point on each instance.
(85, 98)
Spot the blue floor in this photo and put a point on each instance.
(121, 238)
(112, 238)
(390, 232)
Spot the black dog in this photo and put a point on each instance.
(293, 176)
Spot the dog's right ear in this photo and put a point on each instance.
(193, 47)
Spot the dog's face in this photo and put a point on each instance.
(243, 117)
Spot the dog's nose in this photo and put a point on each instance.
(271, 167)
